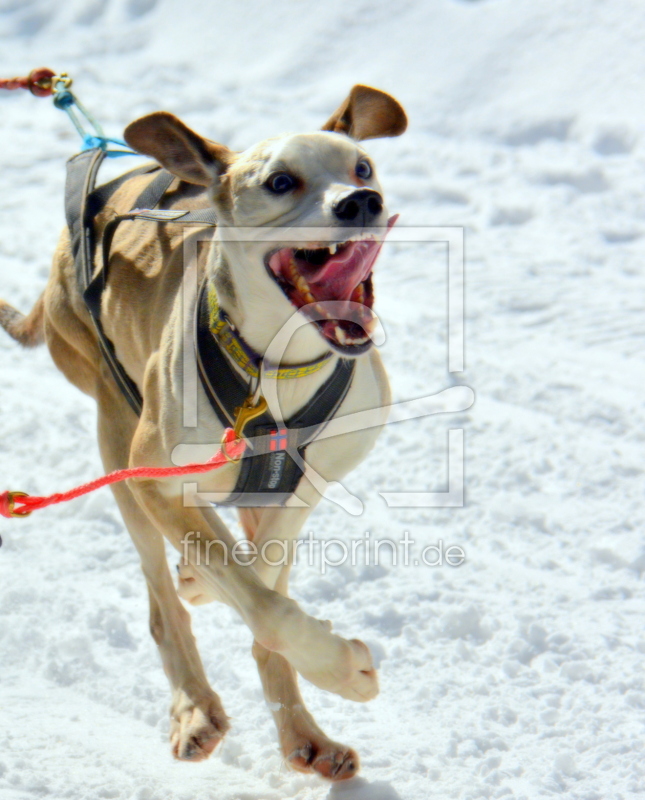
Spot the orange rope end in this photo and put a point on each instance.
(40, 82)
(5, 511)
(8, 505)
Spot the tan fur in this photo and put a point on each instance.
(29, 331)
(142, 316)
(367, 114)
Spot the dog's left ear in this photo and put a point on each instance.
(179, 149)
(368, 114)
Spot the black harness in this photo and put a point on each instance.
(82, 203)
(269, 473)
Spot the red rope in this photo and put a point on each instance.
(39, 82)
(14, 83)
(16, 504)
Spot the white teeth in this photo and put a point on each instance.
(358, 295)
(299, 282)
(293, 270)
(322, 311)
(303, 288)
(345, 339)
(370, 324)
(362, 237)
(333, 247)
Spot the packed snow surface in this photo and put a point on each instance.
(520, 672)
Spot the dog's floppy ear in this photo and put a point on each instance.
(368, 114)
(177, 148)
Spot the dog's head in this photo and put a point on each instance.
(324, 181)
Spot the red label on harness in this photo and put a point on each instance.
(278, 440)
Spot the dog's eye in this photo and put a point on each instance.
(364, 169)
(280, 183)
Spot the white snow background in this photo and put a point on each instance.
(518, 674)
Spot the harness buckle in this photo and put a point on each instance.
(243, 415)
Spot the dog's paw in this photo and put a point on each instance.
(331, 761)
(196, 727)
(328, 661)
(351, 675)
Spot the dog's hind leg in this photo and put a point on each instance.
(304, 745)
(197, 720)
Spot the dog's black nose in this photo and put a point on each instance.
(360, 207)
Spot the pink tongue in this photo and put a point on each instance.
(337, 279)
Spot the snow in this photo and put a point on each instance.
(517, 674)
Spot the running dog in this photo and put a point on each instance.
(324, 181)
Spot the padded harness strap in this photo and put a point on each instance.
(82, 203)
(268, 475)
(94, 291)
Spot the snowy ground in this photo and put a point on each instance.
(518, 674)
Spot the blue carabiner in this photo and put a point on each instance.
(76, 111)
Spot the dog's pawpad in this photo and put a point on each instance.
(328, 759)
(196, 728)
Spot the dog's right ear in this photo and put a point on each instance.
(368, 113)
(177, 148)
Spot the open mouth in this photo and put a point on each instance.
(332, 285)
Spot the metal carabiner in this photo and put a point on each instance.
(11, 504)
(243, 415)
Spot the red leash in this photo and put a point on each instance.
(39, 82)
(19, 504)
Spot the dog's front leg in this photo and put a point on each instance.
(304, 745)
(277, 622)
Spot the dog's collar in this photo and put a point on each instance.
(243, 355)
